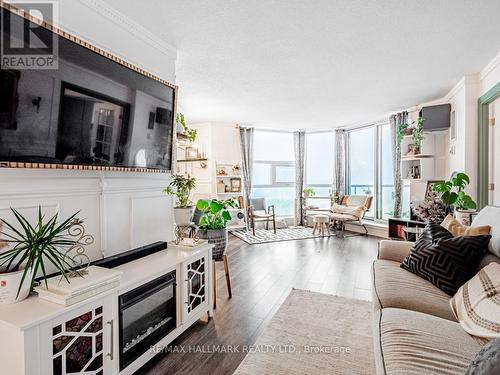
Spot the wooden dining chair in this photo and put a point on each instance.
(258, 212)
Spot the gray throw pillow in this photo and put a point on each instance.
(486, 361)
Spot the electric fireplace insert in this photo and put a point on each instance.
(147, 314)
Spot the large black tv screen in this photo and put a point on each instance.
(91, 110)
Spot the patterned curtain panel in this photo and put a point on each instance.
(246, 141)
(395, 121)
(299, 141)
(339, 173)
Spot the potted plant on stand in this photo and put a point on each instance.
(454, 197)
(181, 186)
(213, 223)
(26, 250)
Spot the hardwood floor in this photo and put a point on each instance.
(262, 277)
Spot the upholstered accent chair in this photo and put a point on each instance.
(259, 212)
(346, 213)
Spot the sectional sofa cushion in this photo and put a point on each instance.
(477, 303)
(410, 342)
(490, 215)
(457, 229)
(446, 261)
(396, 287)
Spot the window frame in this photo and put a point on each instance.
(274, 165)
(330, 185)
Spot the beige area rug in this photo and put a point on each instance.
(314, 333)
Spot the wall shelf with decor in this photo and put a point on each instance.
(229, 185)
(418, 163)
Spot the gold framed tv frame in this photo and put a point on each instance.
(66, 35)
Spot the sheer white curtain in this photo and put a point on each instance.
(246, 141)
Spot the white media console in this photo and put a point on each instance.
(43, 338)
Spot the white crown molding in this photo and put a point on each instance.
(490, 67)
(131, 26)
(470, 79)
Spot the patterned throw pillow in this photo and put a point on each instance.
(446, 261)
(477, 303)
(457, 229)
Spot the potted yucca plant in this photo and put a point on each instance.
(26, 250)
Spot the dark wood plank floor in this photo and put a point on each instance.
(262, 277)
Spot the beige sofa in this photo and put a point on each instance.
(415, 331)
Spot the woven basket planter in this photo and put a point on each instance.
(217, 237)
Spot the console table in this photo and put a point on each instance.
(43, 338)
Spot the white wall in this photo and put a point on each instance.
(464, 101)
(121, 210)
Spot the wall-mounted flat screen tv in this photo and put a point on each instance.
(91, 110)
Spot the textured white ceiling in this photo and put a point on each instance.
(317, 63)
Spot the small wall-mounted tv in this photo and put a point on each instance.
(90, 111)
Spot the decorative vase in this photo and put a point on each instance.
(9, 284)
(306, 194)
(408, 131)
(180, 128)
(464, 216)
(183, 215)
(217, 237)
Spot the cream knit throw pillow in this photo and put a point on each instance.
(476, 305)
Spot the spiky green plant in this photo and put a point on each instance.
(181, 186)
(30, 246)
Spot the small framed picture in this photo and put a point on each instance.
(191, 153)
(235, 184)
(430, 194)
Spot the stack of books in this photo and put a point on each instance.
(96, 281)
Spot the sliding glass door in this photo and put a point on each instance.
(370, 169)
(362, 164)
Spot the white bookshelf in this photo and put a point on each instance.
(238, 196)
(419, 166)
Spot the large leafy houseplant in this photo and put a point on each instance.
(29, 247)
(215, 214)
(453, 194)
(213, 223)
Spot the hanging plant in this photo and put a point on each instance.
(418, 134)
(401, 131)
(190, 134)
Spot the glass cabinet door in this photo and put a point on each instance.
(196, 285)
(80, 341)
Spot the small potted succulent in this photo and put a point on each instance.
(181, 187)
(26, 250)
(454, 197)
(213, 222)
